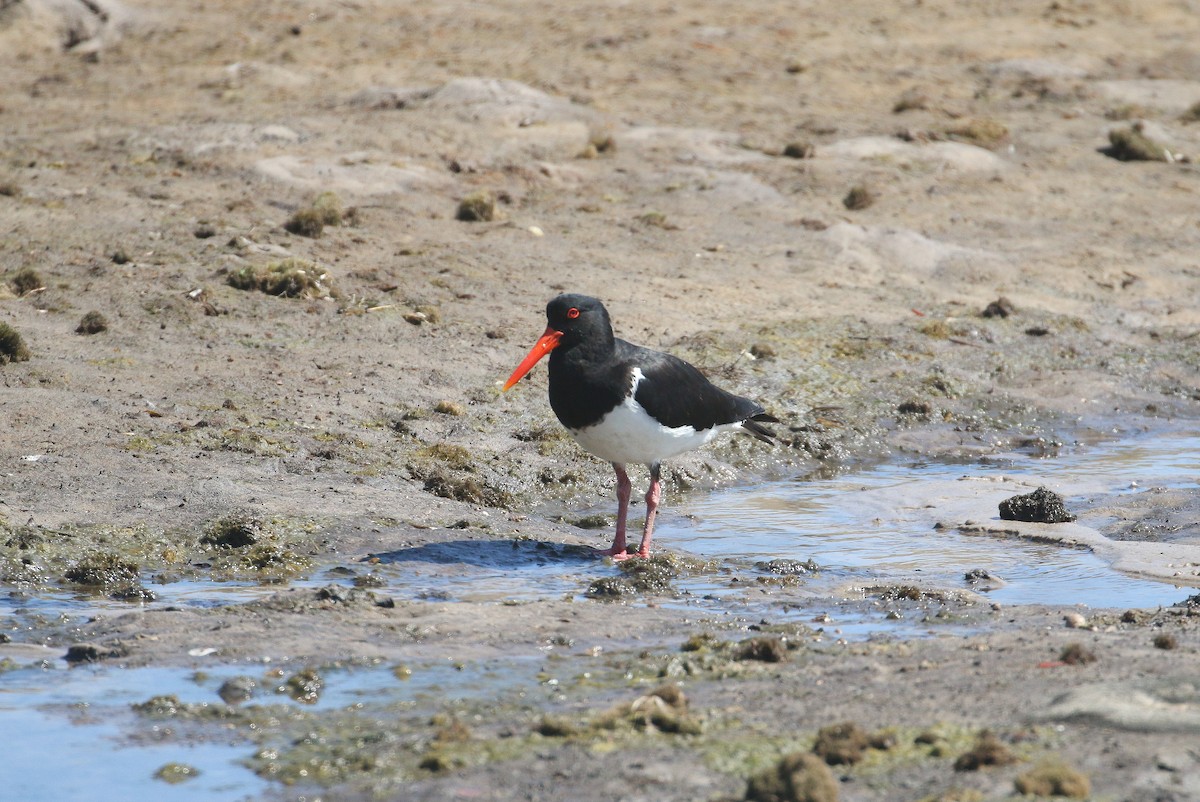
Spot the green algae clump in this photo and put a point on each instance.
(234, 532)
(1131, 145)
(175, 773)
(987, 751)
(478, 207)
(92, 323)
(1052, 777)
(12, 347)
(326, 210)
(798, 777)
(102, 569)
(841, 744)
(287, 278)
(304, 686)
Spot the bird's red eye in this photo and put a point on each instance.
(572, 313)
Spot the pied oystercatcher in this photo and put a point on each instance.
(625, 403)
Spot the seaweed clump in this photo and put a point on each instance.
(92, 323)
(235, 532)
(987, 751)
(1131, 145)
(1052, 777)
(304, 686)
(175, 773)
(288, 278)
(478, 207)
(12, 347)
(799, 777)
(650, 576)
(664, 709)
(846, 743)
(103, 570)
(326, 210)
(764, 649)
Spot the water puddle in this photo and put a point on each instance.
(77, 725)
(877, 525)
(68, 739)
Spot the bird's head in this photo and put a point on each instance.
(570, 320)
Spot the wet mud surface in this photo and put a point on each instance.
(262, 272)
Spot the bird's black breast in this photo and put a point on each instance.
(583, 391)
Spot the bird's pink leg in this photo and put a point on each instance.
(624, 489)
(653, 497)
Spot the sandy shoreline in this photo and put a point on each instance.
(691, 166)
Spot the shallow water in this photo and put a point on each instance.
(869, 526)
(66, 738)
(862, 529)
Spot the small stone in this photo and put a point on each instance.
(859, 197)
(763, 649)
(1074, 621)
(1001, 307)
(89, 653)
(799, 150)
(236, 690)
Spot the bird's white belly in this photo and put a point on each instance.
(629, 435)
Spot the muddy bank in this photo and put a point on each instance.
(253, 336)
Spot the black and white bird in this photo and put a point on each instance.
(629, 404)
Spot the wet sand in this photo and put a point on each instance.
(171, 167)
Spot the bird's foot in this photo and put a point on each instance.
(629, 555)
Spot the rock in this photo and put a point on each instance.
(1041, 506)
(237, 689)
(1001, 307)
(90, 653)
(764, 649)
(1169, 705)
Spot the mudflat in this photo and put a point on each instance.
(263, 268)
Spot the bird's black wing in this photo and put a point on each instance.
(676, 394)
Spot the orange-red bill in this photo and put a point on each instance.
(545, 344)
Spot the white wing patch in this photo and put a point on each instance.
(629, 434)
